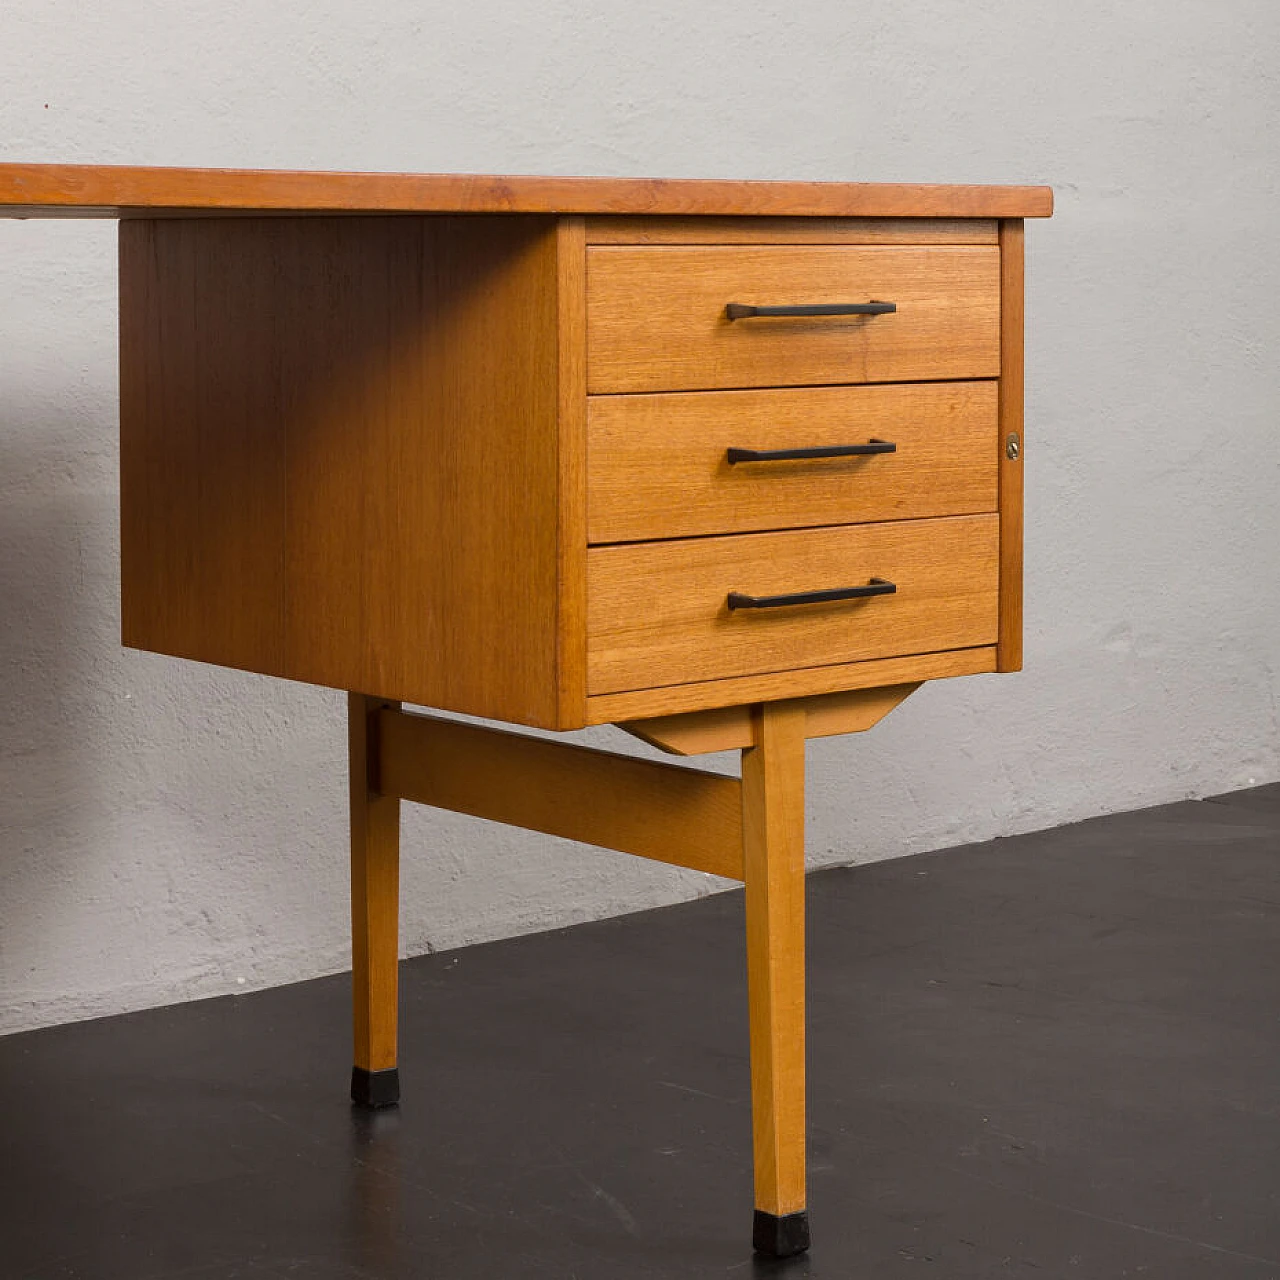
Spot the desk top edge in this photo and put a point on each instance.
(113, 191)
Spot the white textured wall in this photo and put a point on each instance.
(170, 831)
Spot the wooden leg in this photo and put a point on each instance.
(375, 909)
(773, 858)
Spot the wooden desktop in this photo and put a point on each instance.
(729, 464)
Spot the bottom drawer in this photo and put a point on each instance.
(658, 613)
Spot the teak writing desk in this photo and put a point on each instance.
(731, 464)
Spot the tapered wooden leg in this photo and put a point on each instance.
(773, 857)
(375, 909)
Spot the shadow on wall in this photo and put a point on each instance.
(58, 548)
(159, 821)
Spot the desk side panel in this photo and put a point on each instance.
(339, 453)
(1010, 462)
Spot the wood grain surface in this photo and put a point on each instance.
(340, 454)
(603, 229)
(612, 708)
(685, 817)
(1011, 424)
(658, 464)
(731, 728)
(656, 316)
(773, 869)
(657, 613)
(571, 471)
(28, 190)
(375, 892)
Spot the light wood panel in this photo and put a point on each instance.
(571, 349)
(341, 458)
(773, 866)
(695, 733)
(656, 317)
(853, 711)
(375, 892)
(658, 464)
(1011, 425)
(657, 612)
(28, 190)
(685, 817)
(710, 230)
(613, 708)
(731, 728)
(203, 469)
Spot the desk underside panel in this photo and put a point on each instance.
(339, 453)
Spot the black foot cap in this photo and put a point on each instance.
(375, 1088)
(780, 1237)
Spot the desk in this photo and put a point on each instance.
(729, 464)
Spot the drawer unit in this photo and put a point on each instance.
(486, 465)
(661, 613)
(661, 318)
(676, 465)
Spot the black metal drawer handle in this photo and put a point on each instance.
(876, 587)
(742, 311)
(820, 451)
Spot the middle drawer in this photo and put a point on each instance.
(658, 466)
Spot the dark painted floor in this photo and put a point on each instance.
(1056, 1055)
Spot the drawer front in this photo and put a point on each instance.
(658, 465)
(657, 320)
(657, 613)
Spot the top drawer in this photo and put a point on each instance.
(657, 320)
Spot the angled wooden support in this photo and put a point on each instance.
(686, 817)
(732, 728)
